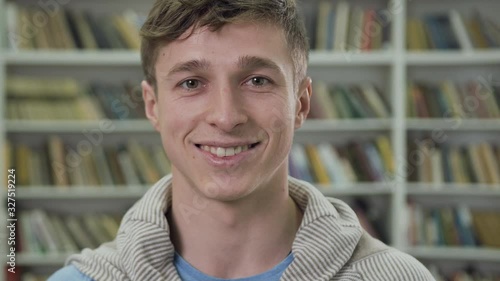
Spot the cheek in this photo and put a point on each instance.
(281, 117)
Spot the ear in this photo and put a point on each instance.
(303, 102)
(150, 103)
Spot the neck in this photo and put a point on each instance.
(235, 239)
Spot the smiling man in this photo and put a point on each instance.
(226, 87)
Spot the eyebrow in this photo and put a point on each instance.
(253, 62)
(190, 66)
(245, 62)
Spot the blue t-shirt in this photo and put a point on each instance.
(69, 272)
(188, 273)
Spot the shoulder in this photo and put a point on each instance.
(69, 272)
(374, 260)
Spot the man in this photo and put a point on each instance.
(226, 87)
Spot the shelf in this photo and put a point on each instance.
(328, 125)
(447, 189)
(453, 124)
(24, 259)
(356, 189)
(480, 57)
(118, 58)
(105, 125)
(144, 126)
(71, 58)
(325, 58)
(80, 192)
(455, 253)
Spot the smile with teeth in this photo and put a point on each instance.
(226, 151)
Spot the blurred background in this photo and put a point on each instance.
(404, 126)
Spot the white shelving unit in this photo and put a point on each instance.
(389, 68)
(456, 254)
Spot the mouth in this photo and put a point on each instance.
(227, 151)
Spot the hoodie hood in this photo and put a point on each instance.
(326, 239)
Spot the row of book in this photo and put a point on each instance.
(84, 164)
(43, 232)
(452, 31)
(355, 161)
(32, 27)
(447, 99)
(467, 274)
(453, 226)
(30, 98)
(453, 163)
(343, 27)
(348, 101)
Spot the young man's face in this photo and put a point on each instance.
(226, 108)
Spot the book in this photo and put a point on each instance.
(163, 165)
(371, 29)
(317, 166)
(464, 225)
(300, 161)
(145, 167)
(81, 237)
(355, 29)
(384, 147)
(109, 224)
(477, 37)
(332, 166)
(127, 31)
(23, 159)
(486, 226)
(490, 163)
(460, 30)
(114, 166)
(127, 166)
(81, 30)
(324, 17)
(450, 233)
(67, 243)
(56, 153)
(94, 227)
(341, 26)
(27, 235)
(102, 166)
(44, 231)
(362, 166)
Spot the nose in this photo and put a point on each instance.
(227, 110)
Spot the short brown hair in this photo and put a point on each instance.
(169, 19)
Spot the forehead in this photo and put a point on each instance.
(226, 46)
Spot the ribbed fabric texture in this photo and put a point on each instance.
(329, 245)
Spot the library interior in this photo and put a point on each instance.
(404, 126)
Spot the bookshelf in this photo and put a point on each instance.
(390, 69)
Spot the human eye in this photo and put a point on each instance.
(258, 81)
(190, 84)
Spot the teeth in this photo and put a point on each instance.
(221, 152)
(224, 152)
(230, 151)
